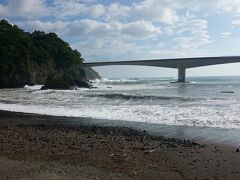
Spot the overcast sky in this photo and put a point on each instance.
(104, 30)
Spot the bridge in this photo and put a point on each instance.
(177, 63)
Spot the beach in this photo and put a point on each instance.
(46, 147)
(118, 90)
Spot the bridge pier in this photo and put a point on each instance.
(181, 74)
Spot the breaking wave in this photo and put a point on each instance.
(143, 100)
(117, 81)
(140, 97)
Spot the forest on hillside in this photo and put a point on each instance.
(31, 58)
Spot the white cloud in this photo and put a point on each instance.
(106, 49)
(24, 8)
(157, 10)
(120, 30)
(148, 10)
(213, 6)
(192, 34)
(229, 6)
(64, 9)
(168, 11)
(225, 34)
(32, 25)
(96, 10)
(236, 22)
(117, 11)
(141, 29)
(196, 39)
(88, 27)
(3, 11)
(137, 29)
(190, 25)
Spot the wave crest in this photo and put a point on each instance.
(116, 81)
(140, 97)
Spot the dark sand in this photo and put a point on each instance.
(45, 147)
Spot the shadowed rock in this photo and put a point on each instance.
(66, 83)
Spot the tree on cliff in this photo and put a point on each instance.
(30, 58)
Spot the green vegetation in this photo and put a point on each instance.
(32, 58)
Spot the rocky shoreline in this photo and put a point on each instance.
(36, 146)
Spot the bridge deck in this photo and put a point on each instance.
(178, 63)
(172, 63)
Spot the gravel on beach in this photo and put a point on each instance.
(41, 147)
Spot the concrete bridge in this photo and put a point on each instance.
(178, 63)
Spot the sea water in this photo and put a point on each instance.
(205, 101)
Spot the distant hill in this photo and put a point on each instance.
(30, 58)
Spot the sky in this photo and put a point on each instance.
(109, 30)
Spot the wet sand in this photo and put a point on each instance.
(45, 147)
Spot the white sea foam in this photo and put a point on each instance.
(153, 101)
(191, 114)
(35, 87)
(106, 81)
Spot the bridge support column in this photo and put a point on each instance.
(181, 74)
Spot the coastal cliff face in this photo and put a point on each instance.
(32, 58)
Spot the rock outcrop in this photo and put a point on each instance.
(66, 83)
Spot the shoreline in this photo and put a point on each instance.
(34, 146)
(198, 134)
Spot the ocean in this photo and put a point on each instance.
(202, 102)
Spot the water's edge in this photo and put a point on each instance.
(206, 135)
